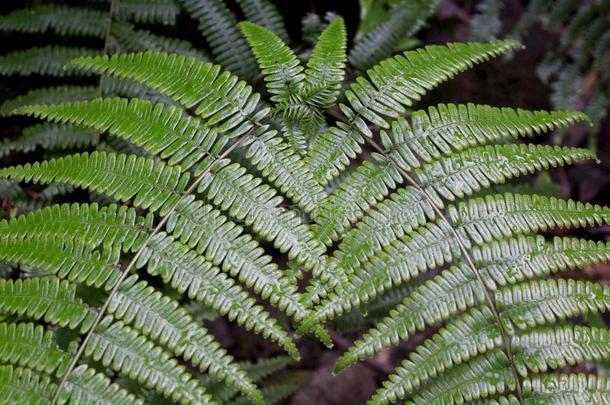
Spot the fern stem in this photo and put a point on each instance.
(506, 341)
(107, 41)
(132, 263)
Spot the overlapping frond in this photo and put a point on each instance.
(266, 14)
(477, 333)
(133, 40)
(119, 347)
(50, 60)
(49, 95)
(405, 19)
(45, 298)
(49, 137)
(27, 345)
(220, 30)
(21, 385)
(63, 20)
(148, 11)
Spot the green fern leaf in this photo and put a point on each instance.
(281, 68)
(394, 84)
(121, 348)
(362, 188)
(45, 298)
(326, 66)
(555, 348)
(562, 389)
(26, 345)
(185, 271)
(503, 262)
(473, 169)
(49, 60)
(246, 198)
(435, 244)
(162, 320)
(22, 386)
(480, 378)
(220, 98)
(445, 129)
(153, 185)
(160, 129)
(85, 386)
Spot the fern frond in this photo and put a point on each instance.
(185, 271)
(223, 101)
(476, 168)
(63, 20)
(400, 213)
(282, 70)
(369, 183)
(49, 137)
(45, 298)
(111, 225)
(27, 345)
(153, 185)
(178, 266)
(163, 130)
(148, 11)
(282, 166)
(133, 40)
(162, 320)
(121, 348)
(550, 300)
(562, 389)
(405, 19)
(85, 386)
(480, 378)
(326, 66)
(266, 14)
(246, 198)
(446, 129)
(50, 60)
(435, 244)
(500, 263)
(22, 386)
(557, 347)
(219, 28)
(534, 346)
(219, 97)
(394, 84)
(49, 95)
